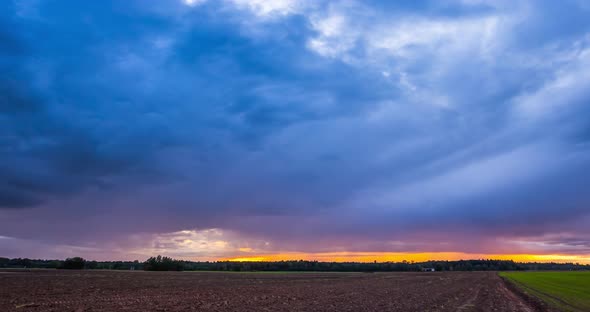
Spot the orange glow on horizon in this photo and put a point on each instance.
(412, 257)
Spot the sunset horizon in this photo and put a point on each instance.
(250, 130)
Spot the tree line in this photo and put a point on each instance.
(160, 263)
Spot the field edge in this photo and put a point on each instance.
(521, 291)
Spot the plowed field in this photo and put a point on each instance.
(57, 290)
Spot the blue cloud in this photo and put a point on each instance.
(372, 119)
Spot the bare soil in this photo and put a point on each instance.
(57, 290)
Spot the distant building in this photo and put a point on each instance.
(428, 270)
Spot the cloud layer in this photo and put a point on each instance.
(308, 126)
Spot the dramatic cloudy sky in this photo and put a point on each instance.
(223, 129)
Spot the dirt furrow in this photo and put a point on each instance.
(44, 290)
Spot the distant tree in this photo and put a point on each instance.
(53, 264)
(160, 263)
(23, 262)
(91, 265)
(75, 263)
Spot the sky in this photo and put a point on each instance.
(339, 130)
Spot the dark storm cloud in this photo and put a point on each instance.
(293, 120)
(62, 131)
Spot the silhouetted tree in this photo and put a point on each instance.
(75, 263)
(160, 263)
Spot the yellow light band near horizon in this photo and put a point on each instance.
(412, 257)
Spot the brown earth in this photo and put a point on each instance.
(57, 290)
